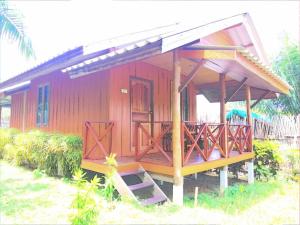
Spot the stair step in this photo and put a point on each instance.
(153, 200)
(140, 186)
(135, 172)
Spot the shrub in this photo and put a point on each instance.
(267, 159)
(10, 152)
(6, 137)
(30, 149)
(56, 154)
(84, 205)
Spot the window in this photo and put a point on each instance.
(43, 105)
(184, 104)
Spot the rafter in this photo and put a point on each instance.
(241, 84)
(191, 75)
(260, 98)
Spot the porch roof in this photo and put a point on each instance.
(159, 42)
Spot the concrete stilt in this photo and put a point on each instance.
(178, 193)
(250, 166)
(196, 176)
(223, 178)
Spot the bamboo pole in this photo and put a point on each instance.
(223, 111)
(176, 133)
(249, 117)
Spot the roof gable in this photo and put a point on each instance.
(168, 38)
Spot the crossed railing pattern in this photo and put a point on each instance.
(95, 135)
(239, 138)
(155, 142)
(202, 138)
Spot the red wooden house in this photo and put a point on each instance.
(135, 96)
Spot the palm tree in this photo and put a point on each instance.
(12, 28)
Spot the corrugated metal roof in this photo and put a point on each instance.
(117, 51)
(264, 67)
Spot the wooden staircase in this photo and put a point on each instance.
(138, 185)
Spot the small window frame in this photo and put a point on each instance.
(40, 119)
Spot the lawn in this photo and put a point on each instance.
(28, 197)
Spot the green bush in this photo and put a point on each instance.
(6, 137)
(267, 159)
(63, 155)
(30, 149)
(56, 154)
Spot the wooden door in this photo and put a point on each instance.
(141, 105)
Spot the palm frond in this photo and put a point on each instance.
(12, 28)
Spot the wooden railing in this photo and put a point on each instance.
(96, 133)
(239, 138)
(202, 138)
(155, 136)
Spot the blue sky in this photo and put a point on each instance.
(55, 26)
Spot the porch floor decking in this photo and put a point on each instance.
(156, 163)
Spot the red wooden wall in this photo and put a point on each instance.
(97, 97)
(16, 118)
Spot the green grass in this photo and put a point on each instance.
(34, 198)
(236, 198)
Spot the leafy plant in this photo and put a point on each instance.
(11, 26)
(267, 159)
(85, 208)
(37, 173)
(287, 65)
(109, 189)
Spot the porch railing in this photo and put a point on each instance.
(155, 136)
(203, 138)
(97, 137)
(239, 138)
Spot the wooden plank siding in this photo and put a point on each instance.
(16, 119)
(98, 97)
(119, 110)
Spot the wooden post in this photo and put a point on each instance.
(224, 143)
(176, 133)
(24, 110)
(249, 117)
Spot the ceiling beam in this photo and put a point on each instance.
(241, 84)
(190, 76)
(260, 98)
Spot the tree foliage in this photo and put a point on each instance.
(12, 28)
(287, 65)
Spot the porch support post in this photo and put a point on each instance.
(250, 164)
(223, 111)
(249, 117)
(24, 110)
(250, 167)
(176, 131)
(223, 178)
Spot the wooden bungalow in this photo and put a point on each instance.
(135, 96)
